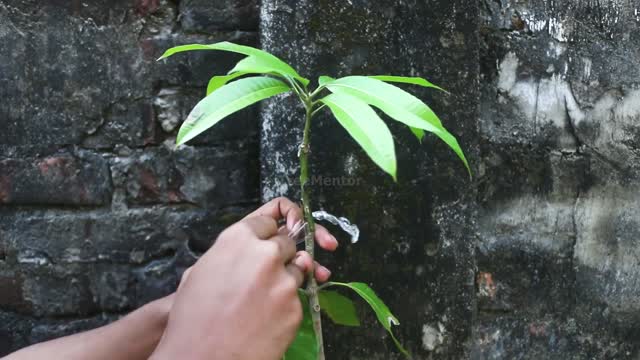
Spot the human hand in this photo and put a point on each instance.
(240, 299)
(283, 208)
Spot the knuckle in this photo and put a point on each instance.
(270, 251)
(233, 233)
(271, 223)
(243, 227)
(279, 199)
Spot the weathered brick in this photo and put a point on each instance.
(58, 95)
(86, 74)
(84, 289)
(210, 16)
(192, 69)
(173, 105)
(11, 289)
(59, 291)
(14, 331)
(154, 280)
(133, 124)
(207, 176)
(91, 236)
(95, 90)
(134, 236)
(65, 178)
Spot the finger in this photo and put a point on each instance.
(298, 275)
(287, 247)
(280, 208)
(264, 227)
(322, 274)
(303, 261)
(325, 239)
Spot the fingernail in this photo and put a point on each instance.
(335, 240)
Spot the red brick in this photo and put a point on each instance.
(61, 179)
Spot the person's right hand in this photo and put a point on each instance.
(240, 299)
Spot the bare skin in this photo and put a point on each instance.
(237, 302)
(133, 337)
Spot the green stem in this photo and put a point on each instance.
(312, 285)
(317, 91)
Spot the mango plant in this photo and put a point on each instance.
(352, 100)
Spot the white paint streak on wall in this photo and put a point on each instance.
(547, 101)
(586, 71)
(555, 27)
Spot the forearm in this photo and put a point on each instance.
(133, 337)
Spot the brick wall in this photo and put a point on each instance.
(98, 212)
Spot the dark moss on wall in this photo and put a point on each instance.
(417, 246)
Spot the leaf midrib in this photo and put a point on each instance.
(224, 108)
(366, 134)
(436, 130)
(229, 104)
(369, 300)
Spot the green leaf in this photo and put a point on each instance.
(384, 315)
(407, 80)
(323, 80)
(399, 105)
(305, 345)
(217, 82)
(366, 128)
(258, 56)
(227, 100)
(339, 308)
(419, 133)
(252, 64)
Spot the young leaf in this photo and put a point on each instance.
(252, 64)
(265, 59)
(399, 105)
(227, 100)
(407, 80)
(366, 128)
(339, 308)
(323, 80)
(305, 345)
(384, 315)
(217, 82)
(419, 133)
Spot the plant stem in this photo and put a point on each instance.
(312, 285)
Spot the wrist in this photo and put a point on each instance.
(158, 311)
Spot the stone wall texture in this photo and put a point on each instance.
(99, 213)
(535, 257)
